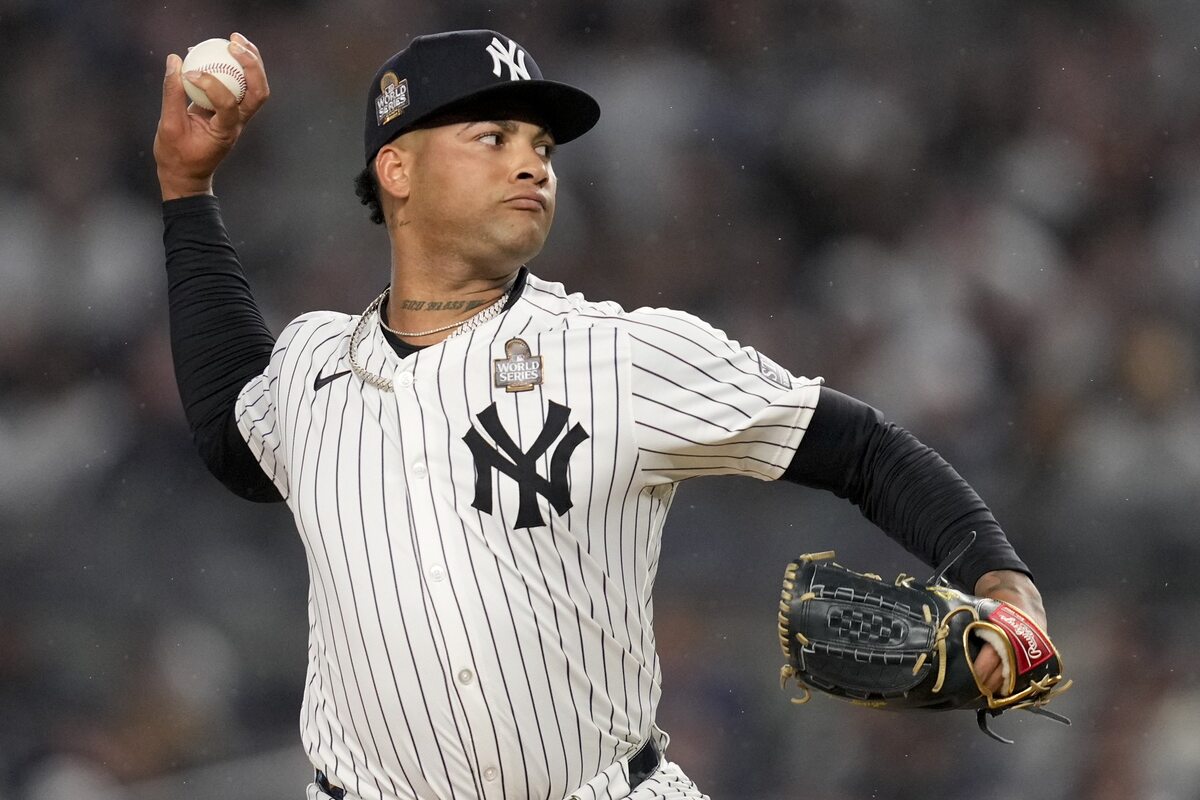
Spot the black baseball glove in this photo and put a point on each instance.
(909, 644)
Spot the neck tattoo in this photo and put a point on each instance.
(439, 305)
(478, 318)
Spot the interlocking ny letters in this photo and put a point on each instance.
(512, 56)
(522, 466)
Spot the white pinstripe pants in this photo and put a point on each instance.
(668, 782)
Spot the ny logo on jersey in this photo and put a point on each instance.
(522, 466)
(512, 56)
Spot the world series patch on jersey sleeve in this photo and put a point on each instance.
(483, 538)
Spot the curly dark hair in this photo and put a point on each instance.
(366, 186)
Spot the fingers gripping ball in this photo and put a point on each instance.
(213, 56)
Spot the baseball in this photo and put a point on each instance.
(213, 56)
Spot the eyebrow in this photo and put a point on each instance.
(506, 125)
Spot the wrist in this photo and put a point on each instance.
(1015, 588)
(174, 187)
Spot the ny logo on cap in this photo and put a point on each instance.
(512, 55)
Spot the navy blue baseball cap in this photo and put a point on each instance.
(468, 72)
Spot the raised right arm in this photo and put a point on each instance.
(219, 340)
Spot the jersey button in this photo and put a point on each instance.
(465, 676)
(437, 573)
(419, 471)
(490, 774)
(404, 380)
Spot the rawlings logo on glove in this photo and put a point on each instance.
(909, 645)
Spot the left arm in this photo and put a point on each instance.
(909, 491)
(901, 485)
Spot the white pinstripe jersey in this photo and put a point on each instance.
(484, 629)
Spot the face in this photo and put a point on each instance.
(482, 190)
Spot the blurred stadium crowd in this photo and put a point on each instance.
(980, 217)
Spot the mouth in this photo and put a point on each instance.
(526, 202)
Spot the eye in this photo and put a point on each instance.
(545, 150)
(491, 139)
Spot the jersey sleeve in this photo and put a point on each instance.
(705, 405)
(259, 411)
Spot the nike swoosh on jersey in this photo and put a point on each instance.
(318, 382)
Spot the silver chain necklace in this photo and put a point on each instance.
(384, 384)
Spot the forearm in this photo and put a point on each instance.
(219, 340)
(901, 485)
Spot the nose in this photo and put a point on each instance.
(531, 167)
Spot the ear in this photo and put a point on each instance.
(393, 170)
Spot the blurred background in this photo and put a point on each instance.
(979, 217)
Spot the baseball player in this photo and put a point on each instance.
(480, 463)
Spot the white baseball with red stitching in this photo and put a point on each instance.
(213, 56)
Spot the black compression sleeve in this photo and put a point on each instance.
(901, 485)
(219, 340)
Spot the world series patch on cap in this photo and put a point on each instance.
(478, 72)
